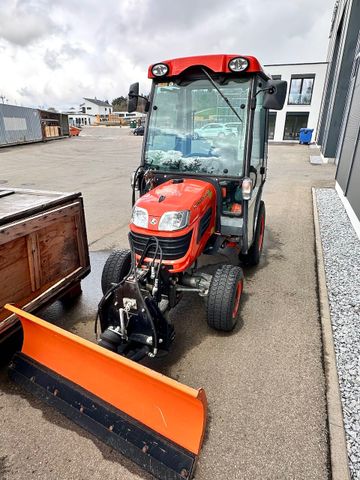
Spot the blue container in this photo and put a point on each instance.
(305, 135)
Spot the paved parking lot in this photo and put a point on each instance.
(264, 382)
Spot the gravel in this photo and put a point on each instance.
(341, 248)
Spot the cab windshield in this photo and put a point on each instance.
(193, 129)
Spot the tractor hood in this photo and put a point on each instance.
(193, 195)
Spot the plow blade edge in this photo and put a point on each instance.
(154, 420)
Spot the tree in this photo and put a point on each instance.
(120, 104)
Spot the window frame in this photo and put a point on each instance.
(272, 114)
(294, 114)
(302, 77)
(247, 145)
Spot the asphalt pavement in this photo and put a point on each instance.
(264, 382)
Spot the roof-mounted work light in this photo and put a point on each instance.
(159, 69)
(238, 64)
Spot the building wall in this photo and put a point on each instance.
(339, 131)
(348, 152)
(19, 125)
(79, 119)
(127, 115)
(93, 109)
(286, 71)
(342, 45)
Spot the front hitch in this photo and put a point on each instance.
(132, 323)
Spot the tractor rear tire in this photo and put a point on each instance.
(116, 267)
(224, 297)
(254, 253)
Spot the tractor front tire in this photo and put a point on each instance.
(252, 258)
(224, 298)
(116, 267)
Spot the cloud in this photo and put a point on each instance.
(24, 22)
(51, 59)
(98, 49)
(55, 59)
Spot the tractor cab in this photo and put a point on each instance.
(208, 119)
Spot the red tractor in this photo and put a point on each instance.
(200, 182)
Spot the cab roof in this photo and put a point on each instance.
(216, 63)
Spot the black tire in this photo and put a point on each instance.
(116, 267)
(224, 297)
(254, 253)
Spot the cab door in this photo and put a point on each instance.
(257, 161)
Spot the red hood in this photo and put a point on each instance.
(191, 194)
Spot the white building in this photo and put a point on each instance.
(130, 116)
(93, 106)
(78, 118)
(303, 100)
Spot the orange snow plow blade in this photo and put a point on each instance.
(154, 420)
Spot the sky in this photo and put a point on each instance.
(54, 53)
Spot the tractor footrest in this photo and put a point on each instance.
(159, 456)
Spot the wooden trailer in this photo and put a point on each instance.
(43, 249)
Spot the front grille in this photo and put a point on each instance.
(172, 248)
(204, 223)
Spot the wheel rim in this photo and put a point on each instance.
(239, 288)
(261, 236)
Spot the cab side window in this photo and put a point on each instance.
(257, 152)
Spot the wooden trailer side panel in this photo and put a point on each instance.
(41, 255)
(14, 264)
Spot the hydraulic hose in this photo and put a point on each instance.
(134, 184)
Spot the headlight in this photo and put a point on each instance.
(238, 64)
(174, 220)
(140, 217)
(160, 69)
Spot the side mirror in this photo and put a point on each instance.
(133, 97)
(275, 94)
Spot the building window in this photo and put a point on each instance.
(88, 108)
(272, 121)
(294, 121)
(301, 88)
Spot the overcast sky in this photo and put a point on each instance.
(53, 53)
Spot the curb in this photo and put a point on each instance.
(337, 440)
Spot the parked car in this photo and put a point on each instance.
(233, 128)
(139, 130)
(210, 130)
